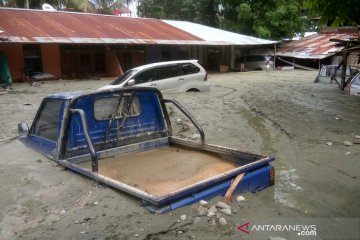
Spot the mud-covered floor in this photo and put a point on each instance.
(281, 113)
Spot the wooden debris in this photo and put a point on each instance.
(230, 191)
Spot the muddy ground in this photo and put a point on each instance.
(281, 113)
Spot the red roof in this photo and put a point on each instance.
(22, 25)
(316, 46)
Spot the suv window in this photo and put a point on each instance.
(122, 77)
(353, 71)
(189, 68)
(145, 76)
(46, 125)
(167, 72)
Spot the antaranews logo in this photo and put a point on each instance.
(244, 228)
(300, 229)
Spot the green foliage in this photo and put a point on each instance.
(107, 6)
(272, 19)
(101, 6)
(200, 11)
(335, 13)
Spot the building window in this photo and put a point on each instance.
(166, 53)
(99, 62)
(32, 59)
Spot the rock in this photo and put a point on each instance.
(329, 143)
(347, 143)
(202, 211)
(222, 205)
(357, 136)
(183, 217)
(136, 235)
(204, 203)
(178, 121)
(212, 209)
(211, 214)
(226, 211)
(222, 221)
(218, 215)
(240, 199)
(347, 153)
(179, 232)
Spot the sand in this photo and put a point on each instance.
(280, 113)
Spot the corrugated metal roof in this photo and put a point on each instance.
(20, 25)
(217, 35)
(316, 46)
(37, 26)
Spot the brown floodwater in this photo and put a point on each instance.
(164, 170)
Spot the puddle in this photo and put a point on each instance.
(287, 190)
(286, 186)
(260, 125)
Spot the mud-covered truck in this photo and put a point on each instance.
(123, 138)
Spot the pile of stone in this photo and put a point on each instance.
(218, 212)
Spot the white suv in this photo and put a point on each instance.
(354, 86)
(256, 62)
(172, 76)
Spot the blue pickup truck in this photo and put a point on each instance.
(123, 138)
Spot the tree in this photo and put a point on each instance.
(106, 6)
(335, 13)
(271, 19)
(99, 6)
(58, 4)
(200, 11)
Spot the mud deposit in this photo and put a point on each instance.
(280, 113)
(162, 171)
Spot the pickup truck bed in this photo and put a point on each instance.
(123, 138)
(163, 171)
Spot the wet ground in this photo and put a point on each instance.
(281, 113)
